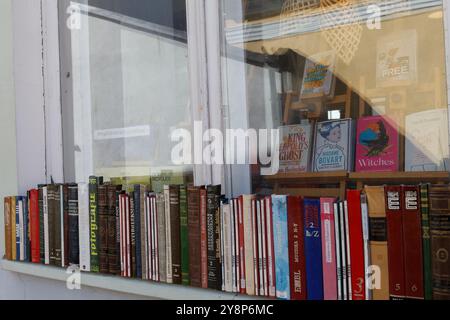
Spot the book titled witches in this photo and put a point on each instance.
(377, 145)
(333, 147)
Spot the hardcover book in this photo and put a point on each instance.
(184, 238)
(377, 145)
(427, 145)
(8, 230)
(281, 246)
(366, 239)
(84, 227)
(313, 249)
(34, 226)
(426, 246)
(94, 182)
(337, 229)
(174, 198)
(203, 237)
(378, 240)
(295, 148)
(395, 235)
(329, 265)
(270, 247)
(161, 218)
(440, 240)
(41, 224)
(193, 197)
(213, 237)
(318, 75)
(139, 224)
(103, 228)
(333, 147)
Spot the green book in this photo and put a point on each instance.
(427, 272)
(184, 236)
(94, 182)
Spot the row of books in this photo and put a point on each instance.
(335, 146)
(383, 242)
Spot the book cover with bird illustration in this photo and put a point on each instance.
(377, 145)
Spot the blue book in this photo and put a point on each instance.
(280, 240)
(313, 250)
(18, 199)
(137, 224)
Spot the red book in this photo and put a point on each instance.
(356, 244)
(243, 289)
(255, 247)
(203, 239)
(394, 202)
(270, 248)
(412, 243)
(34, 226)
(297, 266)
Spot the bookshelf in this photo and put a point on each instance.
(122, 285)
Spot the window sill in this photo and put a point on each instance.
(128, 286)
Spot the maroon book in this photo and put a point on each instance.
(394, 210)
(412, 243)
(203, 239)
(297, 266)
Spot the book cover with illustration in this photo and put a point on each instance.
(397, 59)
(427, 142)
(318, 76)
(333, 146)
(295, 148)
(377, 145)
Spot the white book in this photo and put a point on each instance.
(227, 248)
(365, 227)
(260, 248)
(264, 247)
(84, 227)
(270, 253)
(248, 246)
(347, 240)
(255, 247)
(168, 235)
(343, 251)
(236, 242)
(233, 247)
(46, 228)
(21, 232)
(338, 251)
(61, 212)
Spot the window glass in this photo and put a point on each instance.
(353, 85)
(128, 69)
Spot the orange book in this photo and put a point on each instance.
(8, 237)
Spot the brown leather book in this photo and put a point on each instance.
(193, 195)
(378, 242)
(174, 196)
(394, 215)
(103, 228)
(65, 256)
(53, 197)
(113, 255)
(440, 240)
(412, 243)
(7, 213)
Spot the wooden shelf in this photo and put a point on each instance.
(400, 177)
(309, 177)
(129, 286)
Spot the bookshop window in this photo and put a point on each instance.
(355, 86)
(127, 62)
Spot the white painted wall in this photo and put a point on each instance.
(21, 94)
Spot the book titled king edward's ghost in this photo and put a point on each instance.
(295, 148)
(377, 145)
(333, 147)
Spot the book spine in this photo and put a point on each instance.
(132, 230)
(84, 227)
(34, 226)
(111, 225)
(184, 236)
(233, 247)
(148, 235)
(94, 224)
(142, 233)
(296, 241)
(203, 238)
(226, 245)
(264, 242)
(41, 224)
(65, 245)
(348, 252)
(128, 236)
(141, 266)
(395, 241)
(174, 192)
(73, 225)
(213, 238)
(57, 227)
(19, 229)
(155, 256)
(313, 249)
(52, 212)
(8, 229)
(118, 267)
(236, 244)
(103, 228)
(259, 238)
(426, 247)
(254, 227)
(161, 237)
(366, 239)
(242, 251)
(337, 230)
(281, 245)
(440, 244)
(270, 248)
(122, 217)
(168, 235)
(13, 229)
(193, 196)
(343, 234)
(412, 243)
(356, 245)
(328, 249)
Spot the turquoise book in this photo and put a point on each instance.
(280, 239)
